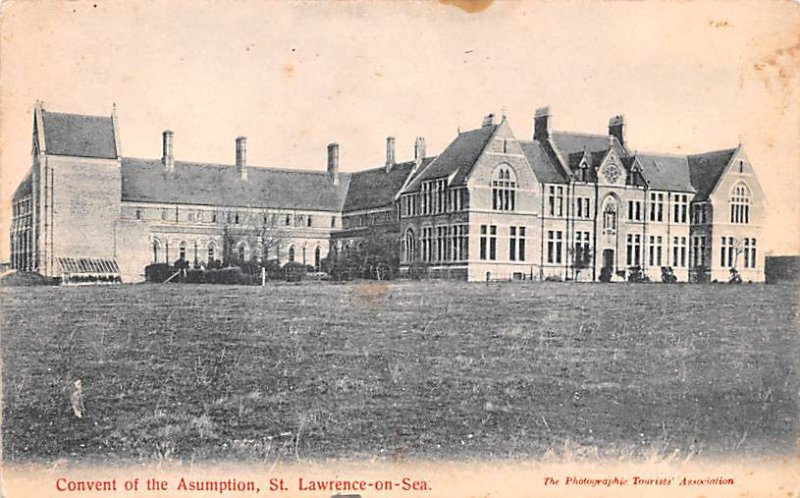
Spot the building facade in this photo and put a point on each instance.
(490, 206)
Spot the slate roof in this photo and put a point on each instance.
(24, 188)
(545, 165)
(706, 169)
(79, 135)
(458, 158)
(375, 188)
(569, 143)
(666, 172)
(144, 180)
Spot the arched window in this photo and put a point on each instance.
(212, 251)
(409, 246)
(317, 259)
(740, 204)
(304, 254)
(610, 216)
(291, 253)
(504, 187)
(156, 249)
(182, 251)
(241, 251)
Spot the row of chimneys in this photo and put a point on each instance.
(541, 125)
(168, 159)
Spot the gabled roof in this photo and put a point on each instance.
(144, 180)
(545, 165)
(79, 135)
(569, 143)
(457, 159)
(706, 169)
(665, 172)
(374, 188)
(24, 188)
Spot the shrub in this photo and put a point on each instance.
(605, 274)
(636, 274)
(158, 272)
(667, 275)
(294, 271)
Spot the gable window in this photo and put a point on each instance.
(504, 186)
(656, 206)
(740, 204)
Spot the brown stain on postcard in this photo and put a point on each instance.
(469, 6)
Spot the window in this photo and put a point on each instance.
(441, 243)
(582, 207)
(635, 210)
(458, 244)
(190, 215)
(679, 251)
(333, 221)
(654, 253)
(516, 244)
(656, 206)
(454, 202)
(679, 208)
(409, 249)
(426, 240)
(291, 254)
(408, 206)
(698, 250)
(212, 249)
(164, 214)
(138, 214)
(214, 217)
(199, 215)
(288, 220)
(610, 217)
(308, 221)
(241, 251)
(317, 258)
(583, 249)
(156, 248)
(740, 204)
(488, 242)
(182, 251)
(504, 186)
(633, 249)
(555, 201)
(749, 253)
(699, 214)
(554, 246)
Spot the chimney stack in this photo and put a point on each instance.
(241, 157)
(488, 120)
(419, 149)
(541, 123)
(333, 162)
(389, 153)
(167, 158)
(616, 128)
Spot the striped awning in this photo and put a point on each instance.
(74, 266)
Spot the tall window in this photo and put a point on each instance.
(679, 251)
(555, 241)
(212, 250)
(409, 246)
(488, 242)
(635, 210)
(582, 207)
(504, 186)
(291, 253)
(441, 243)
(699, 214)
(654, 250)
(740, 204)
(633, 249)
(656, 206)
(458, 245)
(680, 205)
(156, 248)
(427, 243)
(583, 249)
(555, 200)
(241, 251)
(182, 251)
(749, 253)
(610, 216)
(516, 244)
(698, 250)
(317, 258)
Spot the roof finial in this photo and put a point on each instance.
(503, 112)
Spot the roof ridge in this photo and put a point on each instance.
(222, 165)
(583, 134)
(719, 151)
(76, 115)
(666, 154)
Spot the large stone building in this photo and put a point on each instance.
(563, 205)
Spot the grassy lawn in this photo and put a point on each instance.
(440, 370)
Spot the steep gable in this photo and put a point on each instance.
(545, 165)
(705, 170)
(78, 135)
(375, 188)
(665, 172)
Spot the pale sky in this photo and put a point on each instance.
(689, 77)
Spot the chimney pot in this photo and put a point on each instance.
(167, 158)
(333, 162)
(488, 120)
(389, 153)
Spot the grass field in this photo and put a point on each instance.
(434, 370)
